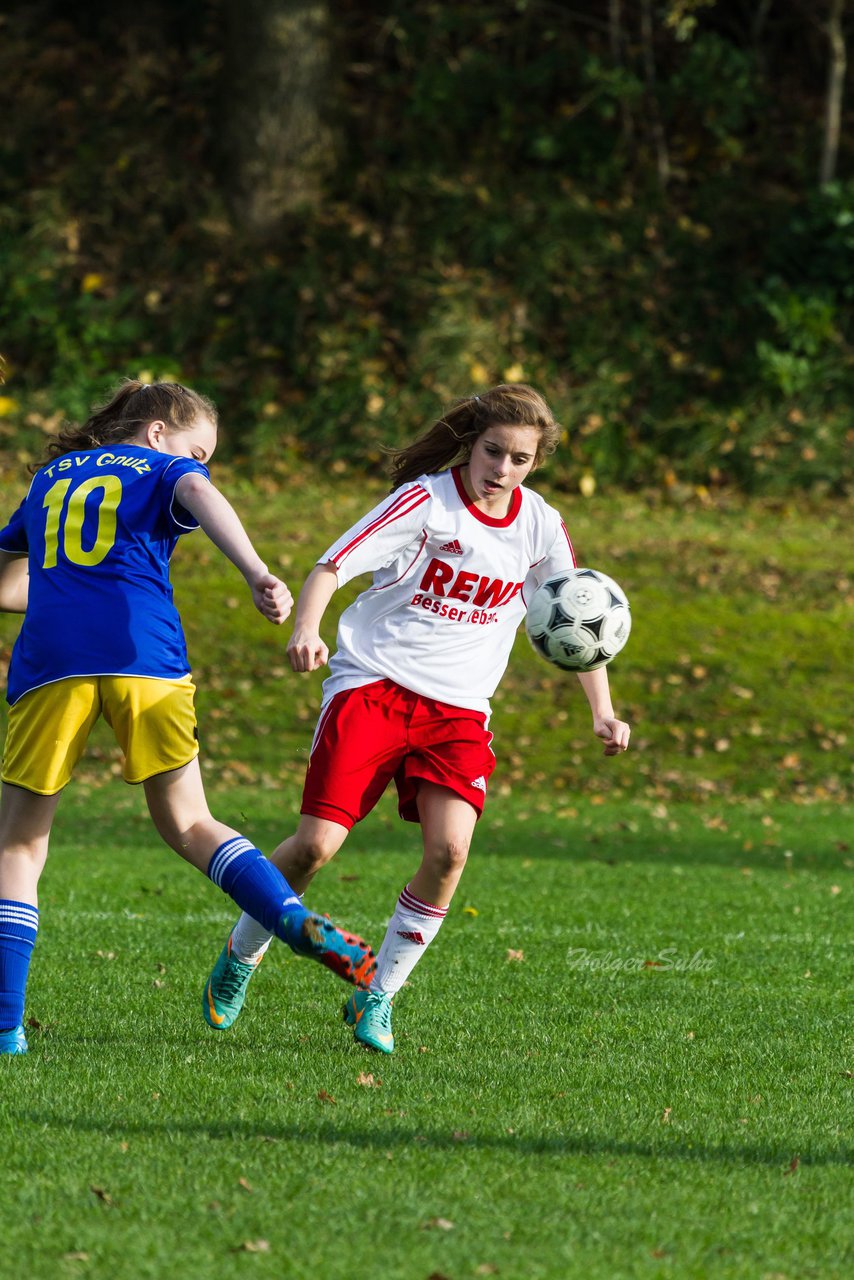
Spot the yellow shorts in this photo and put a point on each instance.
(154, 722)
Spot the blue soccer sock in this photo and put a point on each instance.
(19, 923)
(255, 884)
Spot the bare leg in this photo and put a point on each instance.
(179, 810)
(447, 826)
(25, 823)
(447, 823)
(312, 845)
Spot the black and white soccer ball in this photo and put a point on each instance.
(578, 619)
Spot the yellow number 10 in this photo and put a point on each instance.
(75, 509)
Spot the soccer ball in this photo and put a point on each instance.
(579, 619)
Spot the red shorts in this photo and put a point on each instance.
(379, 731)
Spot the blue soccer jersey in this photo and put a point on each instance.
(99, 527)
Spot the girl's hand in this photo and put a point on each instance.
(306, 650)
(615, 732)
(272, 598)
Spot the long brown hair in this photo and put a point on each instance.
(132, 405)
(450, 440)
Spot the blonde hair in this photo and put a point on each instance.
(132, 405)
(451, 439)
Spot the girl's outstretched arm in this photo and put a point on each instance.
(605, 724)
(221, 523)
(14, 582)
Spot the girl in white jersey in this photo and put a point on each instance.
(455, 551)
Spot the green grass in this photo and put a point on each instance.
(659, 1086)
(628, 1054)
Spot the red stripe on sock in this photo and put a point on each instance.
(409, 901)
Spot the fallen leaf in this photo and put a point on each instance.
(244, 1183)
(80, 1256)
(323, 1096)
(461, 1135)
(366, 1078)
(253, 1246)
(103, 1196)
(665, 1117)
(515, 955)
(470, 911)
(796, 1160)
(437, 1224)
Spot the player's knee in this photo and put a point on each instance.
(449, 857)
(312, 852)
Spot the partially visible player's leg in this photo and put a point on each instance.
(357, 746)
(155, 724)
(46, 733)
(25, 822)
(178, 806)
(299, 857)
(447, 824)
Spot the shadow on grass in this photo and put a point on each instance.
(423, 1139)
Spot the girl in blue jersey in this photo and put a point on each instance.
(87, 556)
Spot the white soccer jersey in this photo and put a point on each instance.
(449, 589)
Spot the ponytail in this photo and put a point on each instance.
(132, 405)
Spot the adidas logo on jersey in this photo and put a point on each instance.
(413, 936)
(453, 548)
(480, 783)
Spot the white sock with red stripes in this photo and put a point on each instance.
(413, 926)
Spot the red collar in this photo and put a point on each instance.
(497, 522)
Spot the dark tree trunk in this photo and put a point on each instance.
(833, 97)
(276, 143)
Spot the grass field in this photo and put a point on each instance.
(629, 1054)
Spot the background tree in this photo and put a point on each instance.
(276, 105)
(334, 218)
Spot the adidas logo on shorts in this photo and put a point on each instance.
(480, 783)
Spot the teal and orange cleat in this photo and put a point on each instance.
(225, 989)
(346, 954)
(13, 1041)
(369, 1014)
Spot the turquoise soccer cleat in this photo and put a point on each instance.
(225, 989)
(13, 1041)
(346, 954)
(369, 1014)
